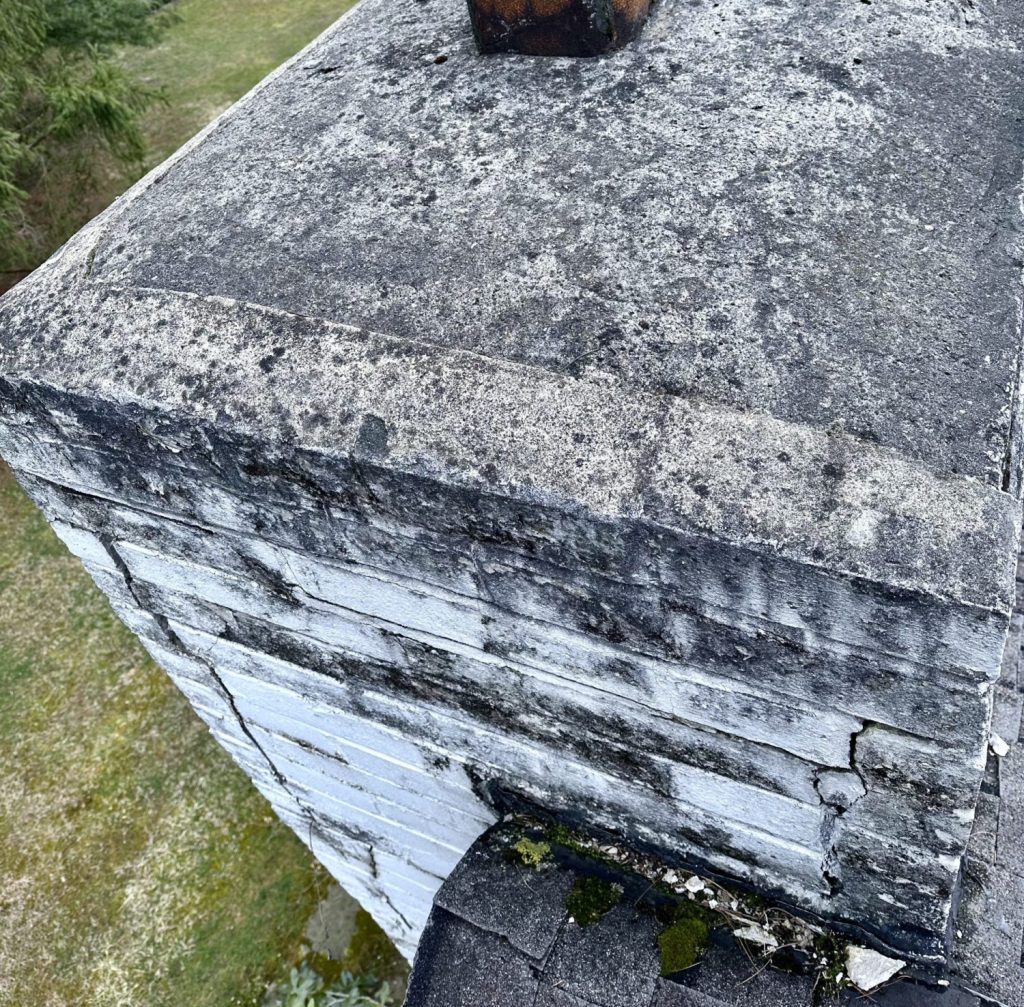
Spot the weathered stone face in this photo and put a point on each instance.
(636, 439)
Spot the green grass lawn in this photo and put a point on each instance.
(137, 863)
(138, 866)
(213, 53)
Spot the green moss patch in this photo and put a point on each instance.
(685, 923)
(684, 937)
(591, 898)
(830, 951)
(564, 836)
(577, 844)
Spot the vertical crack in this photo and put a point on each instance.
(176, 644)
(838, 790)
(375, 874)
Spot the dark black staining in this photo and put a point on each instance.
(270, 579)
(622, 670)
(488, 788)
(268, 362)
(836, 74)
(607, 741)
(372, 439)
(348, 830)
(313, 750)
(634, 560)
(445, 681)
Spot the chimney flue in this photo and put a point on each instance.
(556, 27)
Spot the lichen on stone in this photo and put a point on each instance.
(531, 853)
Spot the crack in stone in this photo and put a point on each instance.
(375, 873)
(175, 641)
(839, 791)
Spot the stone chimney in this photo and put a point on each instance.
(632, 439)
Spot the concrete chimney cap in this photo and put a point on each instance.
(756, 277)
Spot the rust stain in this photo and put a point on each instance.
(549, 8)
(634, 10)
(556, 27)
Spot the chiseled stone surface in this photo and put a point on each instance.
(774, 207)
(636, 438)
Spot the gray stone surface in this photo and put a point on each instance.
(826, 211)
(766, 269)
(637, 438)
